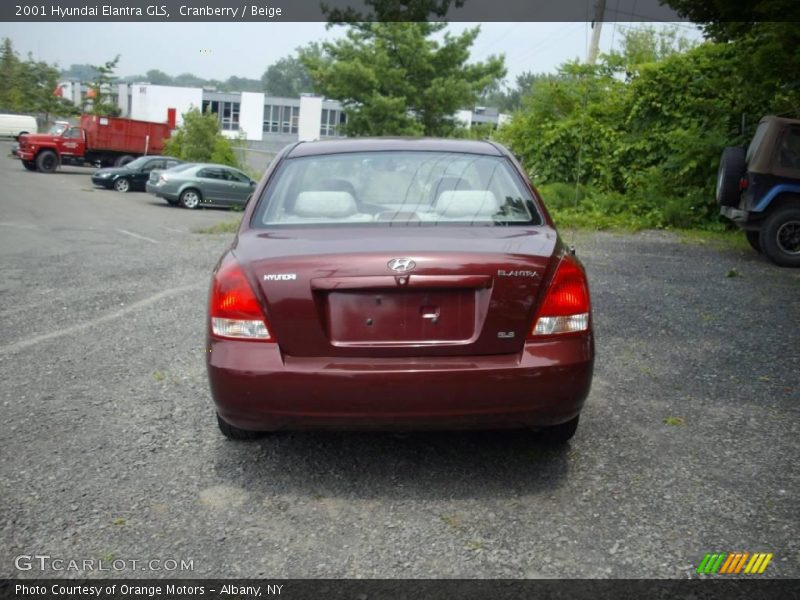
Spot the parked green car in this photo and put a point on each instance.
(193, 185)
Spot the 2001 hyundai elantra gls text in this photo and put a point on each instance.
(390, 284)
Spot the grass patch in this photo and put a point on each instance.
(159, 375)
(224, 227)
(674, 421)
(724, 238)
(451, 521)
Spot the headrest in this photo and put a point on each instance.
(325, 204)
(467, 203)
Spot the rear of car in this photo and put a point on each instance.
(161, 182)
(398, 284)
(758, 188)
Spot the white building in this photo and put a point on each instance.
(254, 117)
(266, 123)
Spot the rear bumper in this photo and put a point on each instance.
(255, 387)
(736, 215)
(159, 192)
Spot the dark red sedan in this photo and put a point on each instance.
(398, 284)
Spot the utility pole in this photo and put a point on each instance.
(597, 26)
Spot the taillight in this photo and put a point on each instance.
(233, 307)
(565, 308)
(743, 184)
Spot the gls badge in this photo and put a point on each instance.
(280, 277)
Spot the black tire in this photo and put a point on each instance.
(732, 167)
(47, 161)
(234, 433)
(753, 238)
(780, 236)
(557, 435)
(123, 160)
(29, 164)
(190, 198)
(123, 185)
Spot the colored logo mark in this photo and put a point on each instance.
(734, 563)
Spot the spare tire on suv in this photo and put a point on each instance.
(732, 167)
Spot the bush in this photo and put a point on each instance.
(199, 139)
(645, 139)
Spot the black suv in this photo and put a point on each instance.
(759, 189)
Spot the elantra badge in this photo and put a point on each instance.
(401, 265)
(503, 273)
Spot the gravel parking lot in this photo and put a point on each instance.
(688, 444)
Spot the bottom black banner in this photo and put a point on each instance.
(400, 589)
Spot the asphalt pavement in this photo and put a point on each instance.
(688, 443)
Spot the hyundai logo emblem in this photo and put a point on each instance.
(401, 265)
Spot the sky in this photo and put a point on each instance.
(220, 50)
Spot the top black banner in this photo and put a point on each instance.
(319, 10)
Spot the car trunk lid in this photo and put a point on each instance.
(461, 291)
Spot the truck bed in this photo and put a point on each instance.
(124, 135)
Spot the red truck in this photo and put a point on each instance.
(99, 141)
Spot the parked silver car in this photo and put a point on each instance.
(193, 185)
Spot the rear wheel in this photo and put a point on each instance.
(732, 167)
(190, 199)
(123, 160)
(122, 184)
(753, 240)
(780, 236)
(29, 164)
(560, 434)
(234, 433)
(47, 161)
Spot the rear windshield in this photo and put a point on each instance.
(396, 188)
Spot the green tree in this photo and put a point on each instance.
(399, 79)
(40, 90)
(157, 77)
(83, 73)
(509, 98)
(646, 44)
(726, 21)
(100, 89)
(10, 97)
(199, 139)
(30, 86)
(189, 80)
(392, 11)
(241, 84)
(288, 77)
